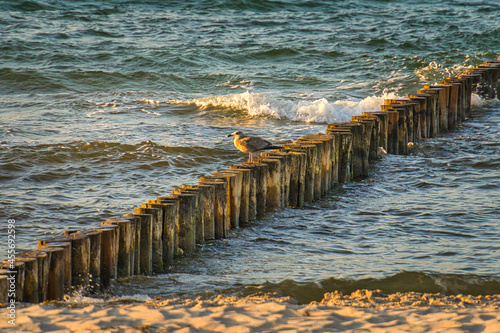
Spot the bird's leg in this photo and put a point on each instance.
(250, 157)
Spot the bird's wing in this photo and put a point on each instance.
(254, 143)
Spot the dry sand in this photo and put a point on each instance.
(362, 311)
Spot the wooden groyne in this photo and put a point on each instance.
(149, 239)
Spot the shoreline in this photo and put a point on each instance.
(362, 311)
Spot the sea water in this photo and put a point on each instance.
(107, 104)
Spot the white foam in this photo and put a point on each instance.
(434, 73)
(265, 105)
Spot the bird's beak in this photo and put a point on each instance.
(230, 135)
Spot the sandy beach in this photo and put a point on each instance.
(362, 311)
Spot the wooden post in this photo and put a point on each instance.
(66, 245)
(108, 256)
(327, 158)
(434, 110)
(220, 204)
(124, 244)
(4, 289)
(261, 188)
(208, 197)
(284, 159)
(243, 182)
(252, 190)
(296, 187)
(30, 284)
(310, 167)
(170, 222)
(345, 148)
(95, 259)
(316, 148)
(382, 126)
(55, 280)
(136, 222)
(274, 187)
(187, 225)
(146, 242)
(248, 199)
(175, 201)
(404, 116)
(370, 139)
(234, 181)
(43, 270)
(157, 234)
(80, 259)
(358, 164)
(443, 100)
(198, 212)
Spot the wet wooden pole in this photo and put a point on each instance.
(208, 197)
(274, 186)
(433, 109)
(284, 159)
(43, 271)
(220, 209)
(66, 245)
(358, 151)
(199, 215)
(234, 181)
(157, 234)
(187, 224)
(146, 242)
(80, 259)
(252, 188)
(95, 259)
(30, 284)
(4, 289)
(296, 190)
(328, 152)
(170, 222)
(136, 267)
(443, 100)
(55, 280)
(125, 249)
(344, 137)
(261, 188)
(248, 199)
(309, 150)
(108, 256)
(383, 126)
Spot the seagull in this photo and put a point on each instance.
(251, 144)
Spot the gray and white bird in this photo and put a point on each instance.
(251, 144)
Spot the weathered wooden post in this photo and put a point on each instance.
(43, 264)
(274, 187)
(221, 209)
(80, 259)
(344, 137)
(66, 245)
(125, 249)
(247, 205)
(371, 138)
(382, 126)
(170, 222)
(207, 193)
(187, 224)
(252, 188)
(284, 159)
(433, 109)
(359, 166)
(328, 151)
(26, 278)
(309, 167)
(136, 268)
(199, 215)
(55, 280)
(404, 116)
(234, 181)
(261, 188)
(108, 256)
(443, 100)
(95, 259)
(146, 241)
(297, 176)
(157, 234)
(4, 289)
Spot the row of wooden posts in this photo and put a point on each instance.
(148, 240)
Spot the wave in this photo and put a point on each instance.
(310, 111)
(402, 282)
